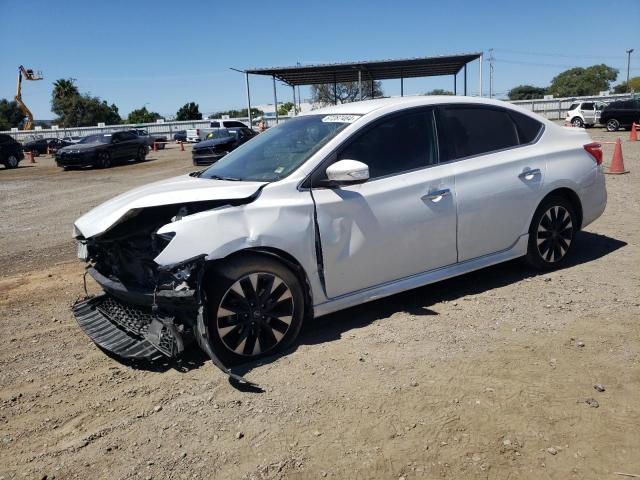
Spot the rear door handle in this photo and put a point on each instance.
(530, 174)
(436, 195)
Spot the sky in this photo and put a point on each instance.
(162, 54)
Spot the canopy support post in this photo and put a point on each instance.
(455, 84)
(275, 99)
(480, 79)
(246, 78)
(372, 91)
(295, 105)
(465, 79)
(335, 91)
(401, 85)
(360, 84)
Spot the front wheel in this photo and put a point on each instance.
(104, 160)
(142, 153)
(255, 308)
(613, 125)
(551, 234)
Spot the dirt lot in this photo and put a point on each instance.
(477, 377)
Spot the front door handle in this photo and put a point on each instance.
(436, 195)
(530, 174)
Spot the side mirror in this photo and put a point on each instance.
(347, 172)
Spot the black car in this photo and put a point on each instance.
(225, 140)
(10, 151)
(180, 136)
(103, 150)
(39, 146)
(621, 114)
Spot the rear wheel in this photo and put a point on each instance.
(142, 153)
(12, 161)
(551, 234)
(613, 125)
(255, 308)
(577, 122)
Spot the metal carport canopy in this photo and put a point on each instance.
(371, 70)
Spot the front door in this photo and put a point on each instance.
(399, 223)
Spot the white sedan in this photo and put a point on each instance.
(329, 210)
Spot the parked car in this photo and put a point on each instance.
(621, 114)
(72, 139)
(150, 139)
(38, 146)
(103, 150)
(199, 134)
(585, 114)
(331, 209)
(56, 144)
(10, 151)
(218, 143)
(180, 136)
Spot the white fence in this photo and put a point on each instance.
(553, 109)
(556, 108)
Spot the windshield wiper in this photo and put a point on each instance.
(218, 177)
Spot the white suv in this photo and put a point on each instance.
(329, 210)
(584, 114)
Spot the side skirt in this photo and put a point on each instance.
(414, 281)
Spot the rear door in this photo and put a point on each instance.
(498, 177)
(402, 221)
(589, 113)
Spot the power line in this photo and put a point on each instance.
(560, 55)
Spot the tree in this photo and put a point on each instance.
(142, 115)
(285, 108)
(241, 113)
(583, 81)
(189, 111)
(76, 110)
(634, 83)
(526, 92)
(10, 114)
(346, 92)
(439, 91)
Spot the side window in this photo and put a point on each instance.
(401, 143)
(587, 106)
(528, 128)
(214, 125)
(124, 136)
(574, 106)
(475, 130)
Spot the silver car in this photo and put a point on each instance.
(329, 210)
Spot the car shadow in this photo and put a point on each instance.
(590, 247)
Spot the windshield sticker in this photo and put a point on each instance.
(340, 118)
(279, 170)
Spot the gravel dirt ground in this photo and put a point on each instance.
(489, 375)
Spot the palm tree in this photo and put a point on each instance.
(64, 88)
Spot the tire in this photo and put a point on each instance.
(577, 122)
(104, 160)
(552, 233)
(141, 155)
(11, 162)
(255, 307)
(612, 125)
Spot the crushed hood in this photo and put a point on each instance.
(173, 191)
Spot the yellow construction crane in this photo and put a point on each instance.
(28, 74)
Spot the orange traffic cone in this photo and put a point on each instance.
(617, 162)
(633, 135)
(181, 147)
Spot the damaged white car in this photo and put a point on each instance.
(329, 210)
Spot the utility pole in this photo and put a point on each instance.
(491, 73)
(629, 52)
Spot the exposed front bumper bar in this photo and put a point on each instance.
(126, 331)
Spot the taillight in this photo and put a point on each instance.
(197, 132)
(595, 149)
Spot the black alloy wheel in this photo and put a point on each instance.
(552, 234)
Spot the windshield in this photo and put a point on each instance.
(280, 150)
(104, 138)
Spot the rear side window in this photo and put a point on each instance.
(396, 145)
(528, 128)
(587, 106)
(475, 130)
(214, 124)
(574, 106)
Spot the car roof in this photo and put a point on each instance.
(367, 106)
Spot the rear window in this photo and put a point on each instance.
(528, 128)
(473, 130)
